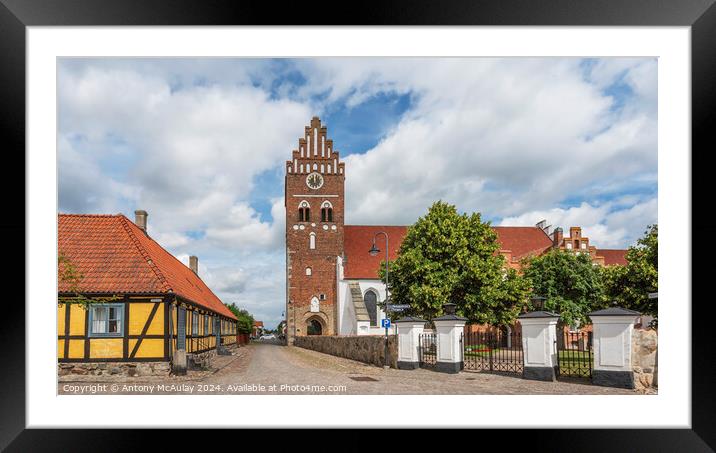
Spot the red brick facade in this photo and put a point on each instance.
(314, 184)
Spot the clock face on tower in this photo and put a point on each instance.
(314, 181)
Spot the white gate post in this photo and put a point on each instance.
(539, 351)
(449, 329)
(612, 332)
(409, 330)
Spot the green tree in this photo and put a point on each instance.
(245, 321)
(451, 257)
(629, 286)
(570, 283)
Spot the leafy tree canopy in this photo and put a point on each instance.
(629, 286)
(245, 319)
(570, 283)
(451, 257)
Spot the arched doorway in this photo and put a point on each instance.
(370, 299)
(314, 327)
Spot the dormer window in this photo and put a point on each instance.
(304, 212)
(326, 212)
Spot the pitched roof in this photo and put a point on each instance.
(613, 256)
(115, 256)
(520, 241)
(358, 240)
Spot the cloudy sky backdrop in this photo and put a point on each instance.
(200, 144)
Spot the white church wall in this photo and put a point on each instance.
(378, 286)
(347, 324)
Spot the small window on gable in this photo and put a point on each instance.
(309, 271)
(312, 241)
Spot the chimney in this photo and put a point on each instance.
(194, 264)
(140, 219)
(557, 237)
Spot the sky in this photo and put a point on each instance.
(201, 145)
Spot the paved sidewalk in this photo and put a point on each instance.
(274, 369)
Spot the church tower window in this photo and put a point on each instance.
(304, 212)
(312, 241)
(309, 272)
(326, 212)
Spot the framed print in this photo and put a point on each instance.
(443, 216)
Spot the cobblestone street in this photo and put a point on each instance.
(274, 369)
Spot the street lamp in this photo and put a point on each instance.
(374, 250)
(538, 302)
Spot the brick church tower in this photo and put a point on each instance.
(314, 201)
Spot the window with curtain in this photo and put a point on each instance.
(106, 320)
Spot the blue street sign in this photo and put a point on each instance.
(385, 323)
(398, 307)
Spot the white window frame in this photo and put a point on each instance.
(92, 321)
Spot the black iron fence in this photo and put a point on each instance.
(428, 349)
(496, 351)
(575, 355)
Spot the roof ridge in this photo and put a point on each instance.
(89, 215)
(144, 253)
(516, 226)
(400, 226)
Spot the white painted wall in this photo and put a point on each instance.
(612, 342)
(346, 311)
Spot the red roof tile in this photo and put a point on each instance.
(521, 241)
(115, 256)
(358, 240)
(613, 256)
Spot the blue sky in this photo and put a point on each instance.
(200, 145)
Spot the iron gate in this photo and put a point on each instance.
(427, 350)
(575, 356)
(497, 351)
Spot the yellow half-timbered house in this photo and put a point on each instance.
(141, 303)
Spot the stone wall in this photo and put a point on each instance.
(363, 348)
(114, 369)
(201, 360)
(644, 362)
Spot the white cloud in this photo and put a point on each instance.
(608, 225)
(496, 135)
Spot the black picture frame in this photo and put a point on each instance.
(16, 15)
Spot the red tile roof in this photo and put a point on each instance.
(521, 241)
(358, 240)
(613, 256)
(115, 256)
